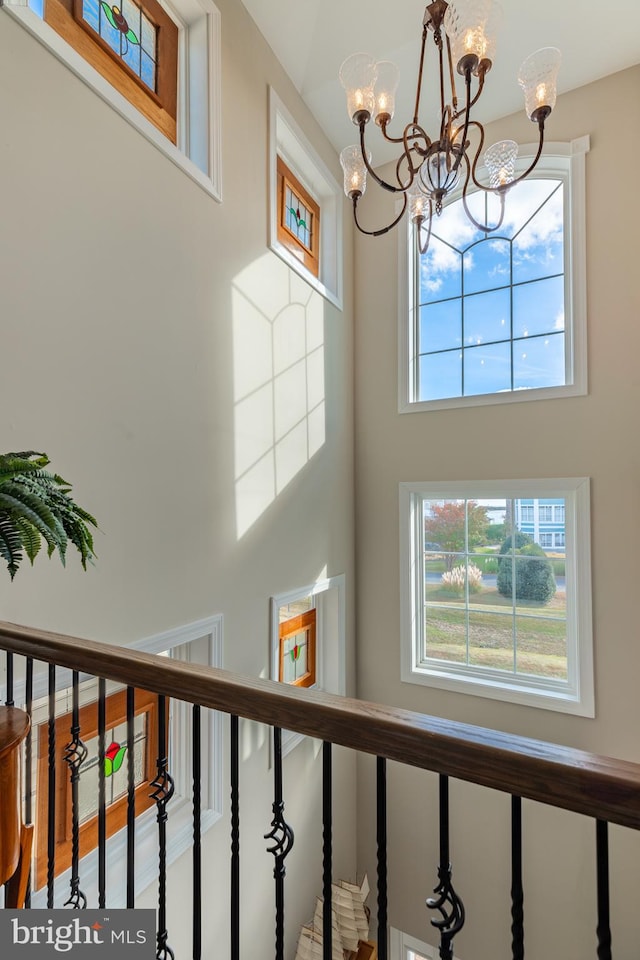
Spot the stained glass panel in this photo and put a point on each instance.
(128, 32)
(298, 218)
(116, 780)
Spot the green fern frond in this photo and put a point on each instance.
(10, 544)
(30, 538)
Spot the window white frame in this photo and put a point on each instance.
(329, 601)
(404, 947)
(563, 160)
(287, 140)
(199, 149)
(575, 695)
(197, 642)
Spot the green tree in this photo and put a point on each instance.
(456, 526)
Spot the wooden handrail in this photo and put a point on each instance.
(576, 780)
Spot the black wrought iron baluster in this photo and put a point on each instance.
(163, 788)
(28, 759)
(446, 902)
(602, 860)
(102, 795)
(517, 892)
(235, 841)
(327, 851)
(9, 700)
(131, 799)
(51, 789)
(282, 836)
(197, 835)
(381, 839)
(75, 754)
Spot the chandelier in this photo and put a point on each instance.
(430, 168)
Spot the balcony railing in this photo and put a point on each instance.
(599, 787)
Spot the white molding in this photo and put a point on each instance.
(576, 694)
(199, 127)
(404, 947)
(287, 139)
(330, 643)
(566, 160)
(209, 632)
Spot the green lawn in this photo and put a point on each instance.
(540, 632)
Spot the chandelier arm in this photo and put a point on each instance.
(467, 122)
(481, 77)
(424, 246)
(383, 183)
(500, 191)
(405, 136)
(534, 162)
(423, 46)
(477, 184)
(452, 79)
(382, 230)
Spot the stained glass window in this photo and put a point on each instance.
(298, 219)
(116, 767)
(117, 748)
(298, 650)
(133, 44)
(129, 33)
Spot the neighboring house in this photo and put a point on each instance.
(543, 520)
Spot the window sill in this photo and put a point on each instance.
(493, 686)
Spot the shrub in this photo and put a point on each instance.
(496, 532)
(454, 580)
(522, 539)
(535, 579)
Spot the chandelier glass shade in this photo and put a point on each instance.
(429, 168)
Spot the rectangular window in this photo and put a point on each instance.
(156, 64)
(116, 771)
(133, 46)
(298, 219)
(501, 620)
(298, 650)
(558, 513)
(526, 513)
(545, 513)
(558, 540)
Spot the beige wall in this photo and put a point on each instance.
(594, 436)
(130, 304)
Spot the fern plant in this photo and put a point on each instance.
(36, 506)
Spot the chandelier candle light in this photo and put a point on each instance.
(428, 170)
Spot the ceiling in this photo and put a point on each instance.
(311, 38)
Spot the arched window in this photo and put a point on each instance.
(500, 316)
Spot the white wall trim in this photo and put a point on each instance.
(330, 642)
(576, 694)
(287, 139)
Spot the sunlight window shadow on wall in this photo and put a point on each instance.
(278, 373)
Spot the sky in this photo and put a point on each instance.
(492, 305)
